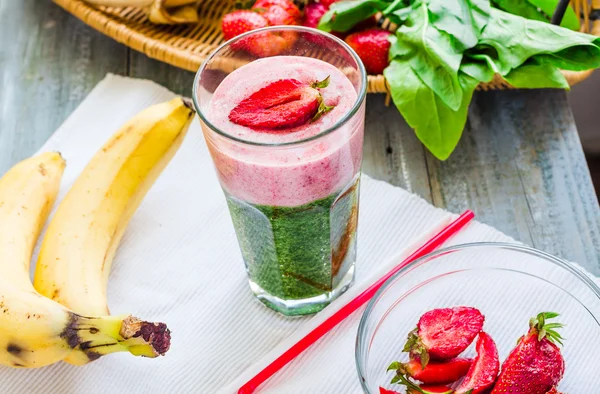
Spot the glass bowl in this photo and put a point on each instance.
(508, 283)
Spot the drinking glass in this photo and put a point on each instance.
(293, 202)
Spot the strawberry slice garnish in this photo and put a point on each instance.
(282, 104)
(535, 365)
(443, 334)
(484, 370)
(435, 372)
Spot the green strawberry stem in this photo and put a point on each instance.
(323, 108)
(416, 348)
(543, 329)
(320, 84)
(412, 387)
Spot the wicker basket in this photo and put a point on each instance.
(186, 46)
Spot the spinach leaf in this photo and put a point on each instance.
(398, 14)
(463, 20)
(532, 75)
(344, 15)
(539, 10)
(437, 126)
(574, 58)
(431, 56)
(522, 8)
(479, 67)
(516, 39)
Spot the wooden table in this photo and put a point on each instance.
(519, 165)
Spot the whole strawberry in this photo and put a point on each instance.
(535, 365)
(278, 16)
(328, 3)
(242, 21)
(372, 46)
(443, 334)
(287, 5)
(313, 13)
(260, 44)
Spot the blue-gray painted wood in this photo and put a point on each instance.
(519, 166)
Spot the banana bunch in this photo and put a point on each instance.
(167, 12)
(63, 315)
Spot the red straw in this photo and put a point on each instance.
(431, 245)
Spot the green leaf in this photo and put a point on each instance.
(462, 19)
(431, 55)
(539, 10)
(477, 68)
(532, 75)
(424, 356)
(411, 341)
(393, 366)
(321, 84)
(515, 40)
(399, 15)
(344, 15)
(570, 19)
(522, 8)
(435, 124)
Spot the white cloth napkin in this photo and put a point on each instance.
(179, 263)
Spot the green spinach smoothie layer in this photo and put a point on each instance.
(298, 252)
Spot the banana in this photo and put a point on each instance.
(168, 12)
(79, 245)
(34, 330)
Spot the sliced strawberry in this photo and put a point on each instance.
(288, 6)
(386, 391)
(281, 105)
(435, 372)
(443, 334)
(535, 365)
(372, 46)
(484, 370)
(413, 388)
(429, 389)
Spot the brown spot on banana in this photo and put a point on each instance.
(70, 333)
(13, 349)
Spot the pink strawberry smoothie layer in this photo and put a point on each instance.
(294, 174)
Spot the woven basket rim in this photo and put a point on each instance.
(165, 43)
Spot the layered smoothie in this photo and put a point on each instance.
(290, 177)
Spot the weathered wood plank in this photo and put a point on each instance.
(49, 61)
(177, 80)
(521, 168)
(392, 152)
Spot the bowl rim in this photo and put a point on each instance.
(570, 267)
